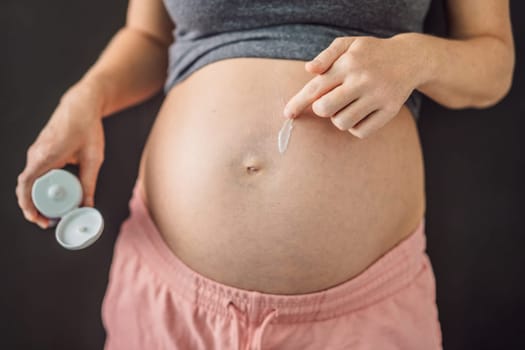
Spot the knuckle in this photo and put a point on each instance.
(366, 77)
(22, 178)
(23, 203)
(18, 193)
(88, 195)
(339, 42)
(21, 207)
(90, 157)
(344, 92)
(361, 42)
(347, 60)
(337, 121)
(357, 132)
(364, 81)
(20, 203)
(320, 108)
(312, 88)
(390, 109)
(329, 52)
(95, 157)
(30, 151)
(39, 153)
(28, 216)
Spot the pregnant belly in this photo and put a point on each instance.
(234, 209)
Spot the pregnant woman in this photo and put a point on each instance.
(231, 244)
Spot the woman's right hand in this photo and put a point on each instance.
(74, 134)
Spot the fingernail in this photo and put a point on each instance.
(52, 223)
(287, 113)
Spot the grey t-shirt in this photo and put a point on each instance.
(210, 30)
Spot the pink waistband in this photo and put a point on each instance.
(390, 273)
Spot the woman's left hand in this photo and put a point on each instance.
(362, 82)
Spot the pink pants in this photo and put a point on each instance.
(155, 301)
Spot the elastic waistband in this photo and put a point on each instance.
(390, 273)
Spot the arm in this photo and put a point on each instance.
(130, 69)
(361, 82)
(133, 66)
(474, 67)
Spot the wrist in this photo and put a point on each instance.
(89, 90)
(421, 55)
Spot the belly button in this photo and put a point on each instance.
(252, 169)
(252, 164)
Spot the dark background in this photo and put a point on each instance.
(51, 297)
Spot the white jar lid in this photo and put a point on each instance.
(56, 193)
(79, 228)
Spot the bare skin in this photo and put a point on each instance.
(234, 209)
(349, 187)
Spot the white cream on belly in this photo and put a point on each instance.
(284, 135)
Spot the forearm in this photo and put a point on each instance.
(131, 69)
(474, 72)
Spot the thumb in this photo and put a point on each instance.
(89, 168)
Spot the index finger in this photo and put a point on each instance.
(23, 192)
(315, 88)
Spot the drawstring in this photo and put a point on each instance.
(257, 338)
(235, 315)
(259, 332)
